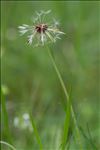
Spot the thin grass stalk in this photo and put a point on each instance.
(8, 145)
(35, 131)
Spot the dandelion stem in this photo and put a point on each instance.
(7, 144)
(66, 94)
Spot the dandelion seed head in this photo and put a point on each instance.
(41, 32)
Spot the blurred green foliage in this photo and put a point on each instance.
(30, 78)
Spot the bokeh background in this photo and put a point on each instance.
(29, 81)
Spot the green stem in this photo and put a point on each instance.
(66, 93)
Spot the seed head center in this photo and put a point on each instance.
(41, 28)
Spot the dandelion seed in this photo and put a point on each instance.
(41, 32)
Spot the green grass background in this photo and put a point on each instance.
(32, 83)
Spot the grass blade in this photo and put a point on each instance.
(88, 139)
(66, 125)
(5, 115)
(36, 132)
